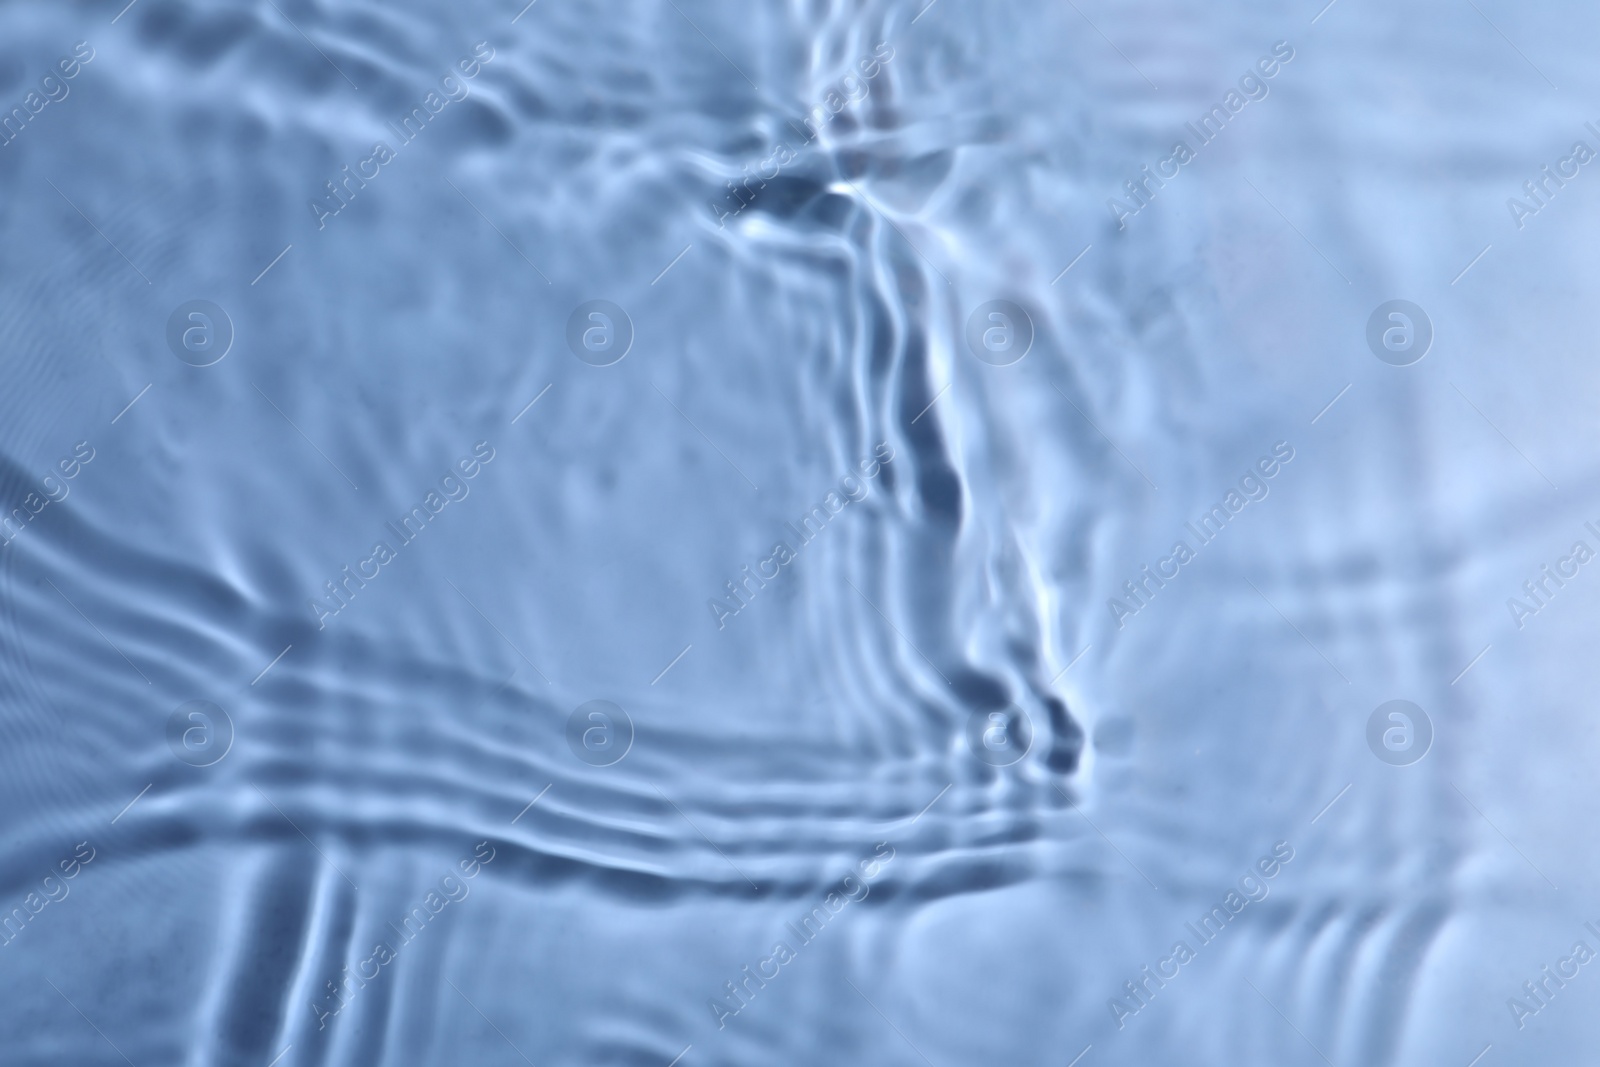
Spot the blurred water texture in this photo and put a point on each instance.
(600, 534)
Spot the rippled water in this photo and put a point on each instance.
(799, 533)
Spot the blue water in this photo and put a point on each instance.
(810, 533)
